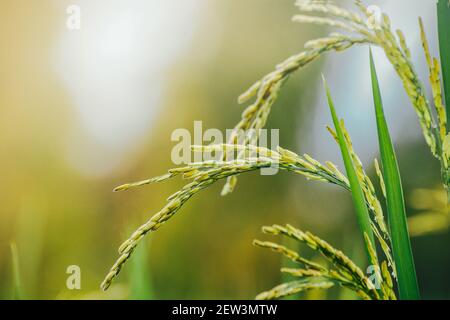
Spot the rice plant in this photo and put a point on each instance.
(344, 271)
(394, 272)
(326, 278)
(359, 27)
(204, 174)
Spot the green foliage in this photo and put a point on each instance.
(401, 246)
(17, 292)
(139, 273)
(359, 28)
(357, 194)
(443, 14)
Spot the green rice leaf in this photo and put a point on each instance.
(401, 246)
(140, 275)
(356, 189)
(17, 293)
(443, 13)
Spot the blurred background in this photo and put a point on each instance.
(82, 111)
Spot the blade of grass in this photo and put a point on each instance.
(357, 193)
(17, 292)
(401, 246)
(443, 13)
(140, 280)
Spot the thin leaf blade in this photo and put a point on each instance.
(17, 295)
(140, 275)
(443, 14)
(356, 189)
(401, 246)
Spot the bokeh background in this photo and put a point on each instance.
(82, 111)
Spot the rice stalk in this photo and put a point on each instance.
(293, 287)
(383, 279)
(435, 82)
(380, 177)
(344, 272)
(267, 89)
(204, 174)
